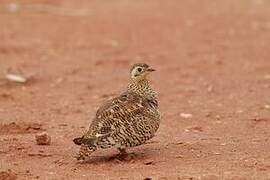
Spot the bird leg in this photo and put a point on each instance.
(122, 154)
(122, 151)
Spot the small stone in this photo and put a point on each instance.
(13, 7)
(267, 106)
(196, 129)
(266, 76)
(208, 114)
(185, 115)
(210, 88)
(16, 78)
(150, 162)
(179, 156)
(43, 138)
(239, 111)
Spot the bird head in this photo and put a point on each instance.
(140, 71)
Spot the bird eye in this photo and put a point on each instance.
(139, 69)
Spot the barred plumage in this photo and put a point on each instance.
(126, 121)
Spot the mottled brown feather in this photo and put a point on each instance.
(125, 121)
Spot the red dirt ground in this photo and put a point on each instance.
(213, 62)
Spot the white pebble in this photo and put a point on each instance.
(16, 78)
(185, 115)
(267, 106)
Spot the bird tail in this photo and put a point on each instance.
(81, 140)
(87, 147)
(85, 151)
(78, 141)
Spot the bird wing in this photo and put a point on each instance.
(113, 114)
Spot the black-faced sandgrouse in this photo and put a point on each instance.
(125, 121)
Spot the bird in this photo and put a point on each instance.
(125, 121)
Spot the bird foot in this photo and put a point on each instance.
(124, 156)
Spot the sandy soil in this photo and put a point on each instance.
(213, 62)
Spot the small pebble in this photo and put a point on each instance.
(179, 156)
(266, 76)
(239, 111)
(150, 162)
(13, 7)
(16, 78)
(208, 114)
(210, 88)
(185, 115)
(267, 106)
(147, 178)
(43, 138)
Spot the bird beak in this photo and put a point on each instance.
(150, 70)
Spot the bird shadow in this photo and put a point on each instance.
(116, 158)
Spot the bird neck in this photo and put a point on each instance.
(142, 88)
